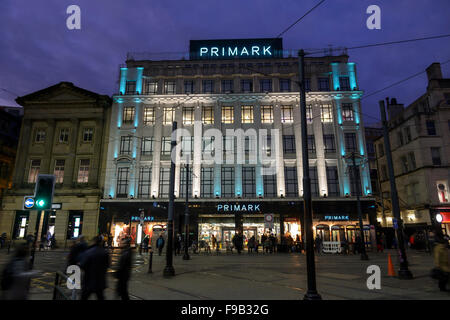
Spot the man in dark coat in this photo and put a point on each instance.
(95, 263)
(76, 251)
(124, 271)
(160, 244)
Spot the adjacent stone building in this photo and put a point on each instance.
(64, 132)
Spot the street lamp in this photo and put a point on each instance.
(356, 182)
(186, 215)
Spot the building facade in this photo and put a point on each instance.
(63, 133)
(419, 136)
(223, 104)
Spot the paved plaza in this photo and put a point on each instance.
(250, 276)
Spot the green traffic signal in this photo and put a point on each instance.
(40, 203)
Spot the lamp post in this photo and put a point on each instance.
(311, 294)
(356, 183)
(186, 215)
(169, 271)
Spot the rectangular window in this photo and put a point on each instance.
(412, 160)
(228, 144)
(400, 138)
(83, 171)
(267, 145)
(248, 182)
(188, 115)
(147, 146)
(169, 87)
(128, 114)
(59, 170)
(151, 87)
(309, 114)
(166, 146)
(247, 114)
(125, 145)
(188, 86)
(169, 116)
(183, 182)
(408, 134)
(291, 184)
(285, 85)
(344, 84)
(328, 141)
(314, 181)
(350, 141)
(324, 84)
(265, 85)
(40, 135)
(431, 128)
(333, 182)
(227, 182)
(122, 182)
(404, 162)
(311, 144)
(347, 112)
(130, 87)
(63, 135)
(208, 86)
(207, 182)
(270, 185)
(145, 179)
(326, 113)
(227, 115)
(164, 179)
(227, 86)
(208, 145)
(307, 84)
(266, 114)
(288, 144)
(380, 150)
(436, 156)
(287, 114)
(246, 85)
(35, 166)
(88, 134)
(208, 115)
(149, 116)
(187, 146)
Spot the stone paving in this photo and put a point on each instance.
(250, 276)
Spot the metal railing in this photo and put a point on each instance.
(60, 290)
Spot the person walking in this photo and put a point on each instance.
(160, 244)
(344, 246)
(441, 260)
(145, 243)
(236, 240)
(16, 275)
(178, 241)
(251, 244)
(318, 243)
(124, 270)
(94, 262)
(213, 242)
(76, 251)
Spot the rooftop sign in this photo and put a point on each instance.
(236, 48)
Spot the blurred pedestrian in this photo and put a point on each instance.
(95, 263)
(160, 244)
(76, 251)
(213, 242)
(145, 243)
(318, 243)
(251, 244)
(441, 261)
(16, 275)
(124, 270)
(178, 241)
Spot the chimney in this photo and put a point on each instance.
(434, 71)
(393, 108)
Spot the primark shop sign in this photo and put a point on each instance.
(236, 48)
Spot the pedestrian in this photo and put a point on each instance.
(251, 244)
(318, 243)
(358, 244)
(16, 275)
(263, 241)
(76, 251)
(145, 243)
(110, 241)
(124, 270)
(178, 241)
(344, 246)
(237, 242)
(412, 241)
(441, 260)
(3, 239)
(94, 262)
(160, 244)
(213, 242)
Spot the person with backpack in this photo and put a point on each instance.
(16, 275)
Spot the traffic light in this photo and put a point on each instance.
(43, 194)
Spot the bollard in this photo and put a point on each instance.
(56, 285)
(150, 261)
(9, 246)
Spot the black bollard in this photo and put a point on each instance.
(150, 261)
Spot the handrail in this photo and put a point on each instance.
(57, 290)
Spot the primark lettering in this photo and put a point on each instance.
(238, 207)
(253, 51)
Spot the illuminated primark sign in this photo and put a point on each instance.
(252, 207)
(236, 48)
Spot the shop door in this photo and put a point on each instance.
(334, 234)
(227, 235)
(351, 235)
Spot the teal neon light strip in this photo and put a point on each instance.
(123, 80)
(139, 73)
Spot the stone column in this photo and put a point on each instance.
(320, 150)
(71, 165)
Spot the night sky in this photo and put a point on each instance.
(37, 50)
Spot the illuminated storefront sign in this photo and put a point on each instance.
(137, 218)
(236, 48)
(253, 207)
(336, 218)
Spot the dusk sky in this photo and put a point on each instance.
(37, 50)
